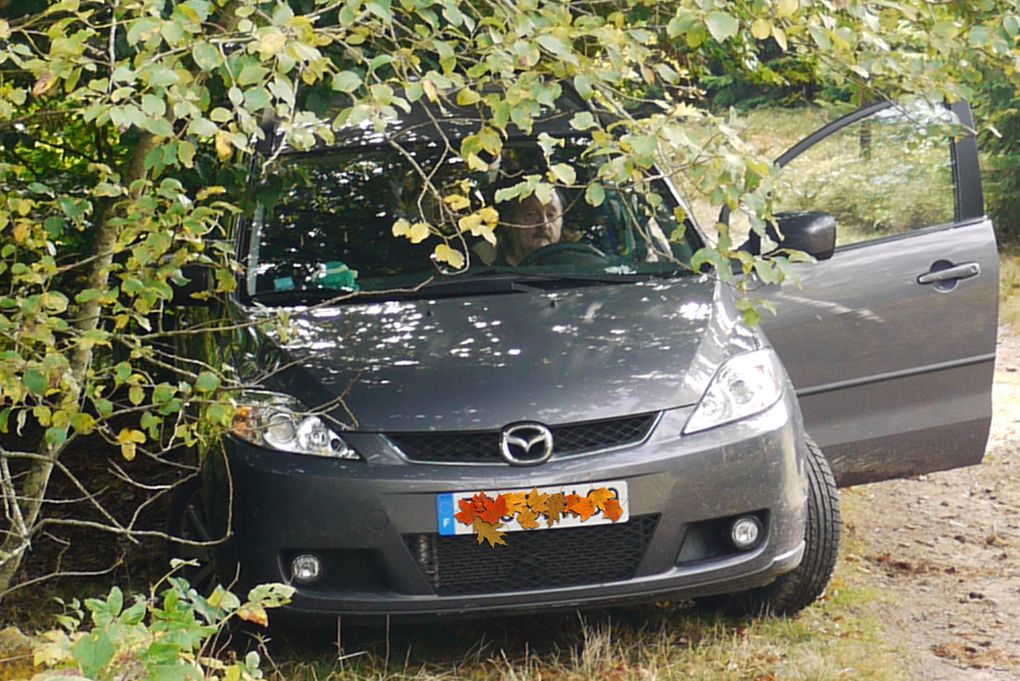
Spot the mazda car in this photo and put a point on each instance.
(499, 391)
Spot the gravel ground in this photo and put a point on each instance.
(946, 547)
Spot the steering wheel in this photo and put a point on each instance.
(562, 253)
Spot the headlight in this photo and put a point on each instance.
(280, 422)
(744, 385)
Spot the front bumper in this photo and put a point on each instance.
(365, 518)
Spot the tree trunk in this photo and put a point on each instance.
(37, 479)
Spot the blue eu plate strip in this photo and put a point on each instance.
(447, 523)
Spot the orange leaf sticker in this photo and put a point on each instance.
(557, 505)
(613, 510)
(467, 512)
(537, 501)
(489, 532)
(479, 502)
(527, 519)
(515, 502)
(582, 507)
(600, 496)
(494, 509)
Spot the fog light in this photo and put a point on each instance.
(745, 532)
(306, 568)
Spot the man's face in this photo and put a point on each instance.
(530, 225)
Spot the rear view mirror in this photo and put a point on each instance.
(813, 232)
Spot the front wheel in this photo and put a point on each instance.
(796, 590)
(187, 521)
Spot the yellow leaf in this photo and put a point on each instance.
(44, 84)
(470, 223)
(786, 8)
(474, 223)
(761, 28)
(457, 201)
(255, 614)
(128, 450)
(223, 146)
(780, 37)
(401, 227)
(444, 253)
(129, 435)
(489, 215)
(20, 232)
(272, 42)
(419, 232)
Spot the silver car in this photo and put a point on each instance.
(581, 360)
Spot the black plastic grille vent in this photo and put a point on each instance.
(537, 559)
(483, 446)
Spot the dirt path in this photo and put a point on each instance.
(947, 547)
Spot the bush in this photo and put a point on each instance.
(997, 107)
(172, 635)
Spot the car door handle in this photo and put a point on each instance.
(952, 273)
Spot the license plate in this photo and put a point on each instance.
(448, 506)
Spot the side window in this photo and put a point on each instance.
(883, 175)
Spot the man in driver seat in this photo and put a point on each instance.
(527, 226)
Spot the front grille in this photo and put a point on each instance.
(536, 559)
(483, 446)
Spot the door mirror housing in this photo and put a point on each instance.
(813, 232)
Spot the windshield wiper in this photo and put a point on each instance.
(299, 296)
(543, 280)
(486, 282)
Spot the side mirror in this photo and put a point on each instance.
(198, 278)
(810, 231)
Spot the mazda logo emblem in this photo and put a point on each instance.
(526, 444)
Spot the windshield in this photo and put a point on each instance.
(369, 220)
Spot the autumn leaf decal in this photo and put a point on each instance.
(490, 517)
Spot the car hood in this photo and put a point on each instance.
(482, 362)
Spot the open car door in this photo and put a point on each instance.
(891, 342)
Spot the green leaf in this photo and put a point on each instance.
(564, 173)
(251, 73)
(583, 85)
(153, 106)
(206, 56)
(55, 437)
(595, 194)
(93, 652)
(467, 97)
(203, 127)
(346, 81)
(721, 25)
(36, 381)
(159, 126)
(207, 382)
(142, 29)
(136, 394)
(583, 120)
(186, 153)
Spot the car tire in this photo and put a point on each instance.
(186, 519)
(793, 591)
